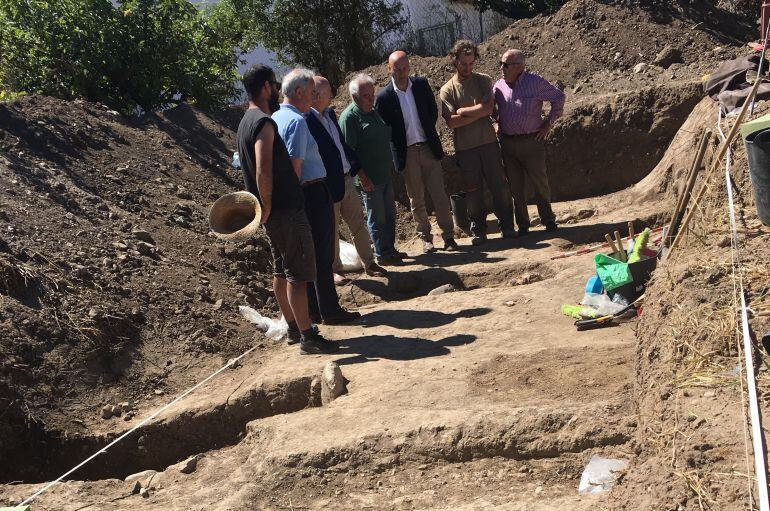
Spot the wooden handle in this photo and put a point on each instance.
(622, 250)
(611, 243)
(631, 231)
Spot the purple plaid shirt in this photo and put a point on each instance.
(519, 110)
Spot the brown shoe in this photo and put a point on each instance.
(375, 270)
(340, 280)
(450, 245)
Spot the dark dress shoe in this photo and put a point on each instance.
(342, 317)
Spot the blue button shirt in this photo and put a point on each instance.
(300, 143)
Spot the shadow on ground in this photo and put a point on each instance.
(410, 319)
(375, 347)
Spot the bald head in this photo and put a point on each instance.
(398, 65)
(512, 65)
(323, 90)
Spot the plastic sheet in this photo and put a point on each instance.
(602, 304)
(349, 257)
(600, 474)
(274, 329)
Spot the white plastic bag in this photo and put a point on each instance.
(599, 474)
(274, 329)
(349, 257)
(602, 303)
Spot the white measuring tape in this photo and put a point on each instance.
(760, 464)
(142, 423)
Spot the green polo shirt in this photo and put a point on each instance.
(369, 137)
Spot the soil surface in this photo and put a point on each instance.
(112, 290)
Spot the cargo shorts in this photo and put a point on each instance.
(291, 244)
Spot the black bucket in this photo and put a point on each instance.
(641, 271)
(758, 151)
(460, 212)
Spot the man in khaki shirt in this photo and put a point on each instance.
(466, 104)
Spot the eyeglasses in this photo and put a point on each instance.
(505, 65)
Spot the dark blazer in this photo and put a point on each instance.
(335, 178)
(389, 108)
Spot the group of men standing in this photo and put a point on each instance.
(310, 170)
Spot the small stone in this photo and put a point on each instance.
(523, 469)
(510, 303)
(139, 476)
(333, 384)
(538, 490)
(189, 465)
(446, 288)
(144, 492)
(106, 411)
(667, 56)
(158, 392)
(726, 241)
(144, 248)
(143, 235)
(640, 67)
(136, 488)
(709, 394)
(234, 363)
(218, 304)
(126, 406)
(116, 411)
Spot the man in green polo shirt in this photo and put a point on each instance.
(369, 136)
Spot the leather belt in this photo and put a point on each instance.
(519, 135)
(313, 181)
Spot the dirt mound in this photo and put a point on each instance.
(111, 288)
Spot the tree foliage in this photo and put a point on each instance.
(333, 37)
(142, 53)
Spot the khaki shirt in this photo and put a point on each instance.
(455, 94)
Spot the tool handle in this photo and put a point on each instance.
(588, 324)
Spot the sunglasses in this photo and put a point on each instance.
(506, 64)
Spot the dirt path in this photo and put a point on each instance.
(484, 397)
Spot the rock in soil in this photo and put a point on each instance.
(333, 384)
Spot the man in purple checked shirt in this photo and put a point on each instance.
(521, 129)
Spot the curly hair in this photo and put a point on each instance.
(463, 47)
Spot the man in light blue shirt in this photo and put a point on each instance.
(298, 90)
(300, 143)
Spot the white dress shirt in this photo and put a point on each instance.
(414, 131)
(327, 123)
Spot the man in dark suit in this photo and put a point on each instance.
(407, 104)
(341, 165)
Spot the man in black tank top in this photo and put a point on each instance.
(269, 175)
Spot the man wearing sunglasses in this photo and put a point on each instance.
(521, 128)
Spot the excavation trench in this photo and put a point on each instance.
(528, 434)
(161, 443)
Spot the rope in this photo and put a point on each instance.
(760, 463)
(142, 423)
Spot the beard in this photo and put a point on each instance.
(272, 103)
